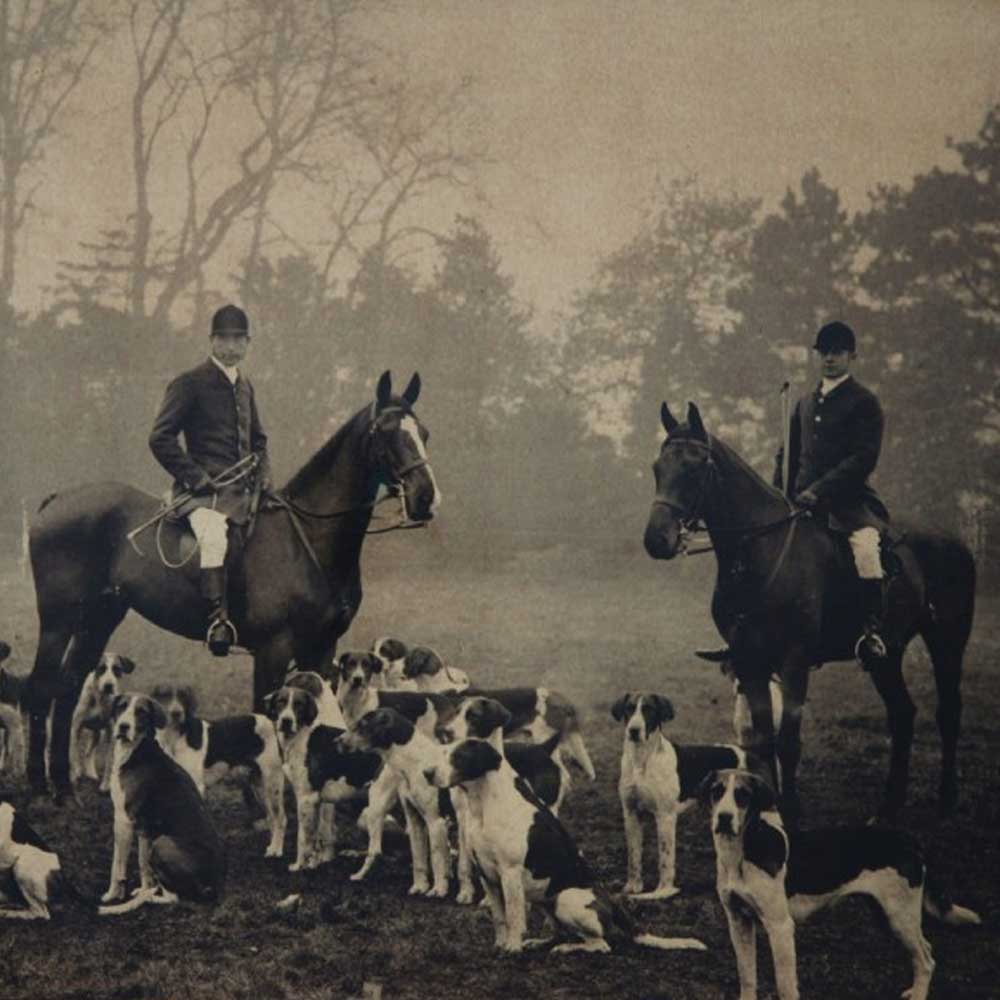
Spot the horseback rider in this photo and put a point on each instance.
(213, 405)
(834, 442)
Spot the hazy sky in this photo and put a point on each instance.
(585, 101)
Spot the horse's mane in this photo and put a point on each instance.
(322, 459)
(731, 455)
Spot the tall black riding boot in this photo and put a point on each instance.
(871, 647)
(221, 632)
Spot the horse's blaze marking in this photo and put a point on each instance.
(409, 427)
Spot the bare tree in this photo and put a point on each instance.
(45, 48)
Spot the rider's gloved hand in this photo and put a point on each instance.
(203, 487)
(806, 499)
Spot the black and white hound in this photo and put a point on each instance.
(322, 772)
(662, 779)
(181, 857)
(90, 729)
(416, 669)
(526, 856)
(764, 874)
(408, 753)
(31, 877)
(13, 708)
(242, 745)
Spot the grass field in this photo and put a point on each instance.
(590, 626)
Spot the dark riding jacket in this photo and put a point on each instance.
(834, 444)
(220, 424)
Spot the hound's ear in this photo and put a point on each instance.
(412, 390)
(762, 795)
(188, 698)
(342, 660)
(705, 787)
(375, 662)
(667, 419)
(490, 715)
(159, 716)
(383, 391)
(694, 422)
(126, 664)
(120, 704)
(622, 707)
(4, 651)
(268, 703)
(311, 709)
(664, 709)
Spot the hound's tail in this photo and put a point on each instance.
(669, 944)
(939, 905)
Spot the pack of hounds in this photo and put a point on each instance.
(402, 734)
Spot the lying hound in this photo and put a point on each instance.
(208, 751)
(538, 763)
(358, 694)
(322, 772)
(417, 669)
(12, 711)
(764, 874)
(31, 878)
(525, 855)
(181, 857)
(661, 778)
(408, 753)
(90, 728)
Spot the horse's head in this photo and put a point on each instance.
(399, 442)
(682, 471)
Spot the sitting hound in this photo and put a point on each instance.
(659, 779)
(767, 875)
(181, 857)
(243, 745)
(525, 855)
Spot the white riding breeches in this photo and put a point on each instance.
(211, 528)
(864, 545)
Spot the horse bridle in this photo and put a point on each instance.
(690, 516)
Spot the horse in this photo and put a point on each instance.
(300, 572)
(787, 599)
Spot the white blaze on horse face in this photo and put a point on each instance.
(409, 426)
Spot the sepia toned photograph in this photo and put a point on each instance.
(500, 500)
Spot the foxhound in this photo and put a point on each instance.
(245, 745)
(358, 694)
(90, 728)
(659, 778)
(12, 723)
(31, 878)
(408, 753)
(181, 857)
(525, 856)
(322, 772)
(765, 874)
(416, 669)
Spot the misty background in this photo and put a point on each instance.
(559, 214)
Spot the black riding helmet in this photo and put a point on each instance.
(835, 336)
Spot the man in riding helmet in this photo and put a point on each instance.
(213, 406)
(834, 443)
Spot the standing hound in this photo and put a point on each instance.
(180, 854)
(12, 711)
(91, 724)
(408, 753)
(31, 878)
(525, 855)
(417, 669)
(661, 778)
(208, 751)
(322, 772)
(764, 874)
(358, 694)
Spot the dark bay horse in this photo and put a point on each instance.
(301, 566)
(787, 598)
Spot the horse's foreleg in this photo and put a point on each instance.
(900, 712)
(947, 659)
(794, 687)
(756, 687)
(270, 664)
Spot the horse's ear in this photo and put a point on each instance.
(667, 419)
(412, 391)
(383, 391)
(694, 422)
